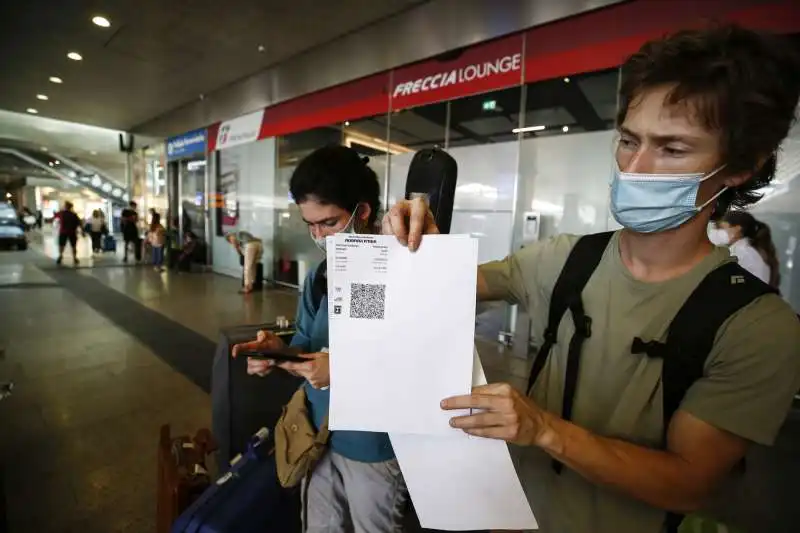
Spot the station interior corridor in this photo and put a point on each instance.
(101, 356)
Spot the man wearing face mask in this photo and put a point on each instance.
(702, 114)
(357, 485)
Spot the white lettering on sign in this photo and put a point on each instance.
(502, 65)
(182, 142)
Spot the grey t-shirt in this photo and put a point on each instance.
(750, 377)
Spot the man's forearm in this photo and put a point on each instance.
(656, 477)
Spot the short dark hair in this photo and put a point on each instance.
(336, 175)
(740, 82)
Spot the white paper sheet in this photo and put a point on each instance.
(392, 364)
(459, 482)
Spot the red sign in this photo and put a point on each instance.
(485, 67)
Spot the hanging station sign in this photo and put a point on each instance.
(187, 144)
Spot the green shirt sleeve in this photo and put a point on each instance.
(529, 274)
(752, 373)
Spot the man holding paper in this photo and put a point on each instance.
(702, 114)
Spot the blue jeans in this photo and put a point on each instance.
(158, 255)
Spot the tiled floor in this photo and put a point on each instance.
(78, 438)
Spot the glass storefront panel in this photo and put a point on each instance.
(566, 155)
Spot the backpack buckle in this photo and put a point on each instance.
(584, 327)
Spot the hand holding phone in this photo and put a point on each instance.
(277, 356)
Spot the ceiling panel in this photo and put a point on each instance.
(157, 55)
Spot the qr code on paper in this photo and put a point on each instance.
(367, 301)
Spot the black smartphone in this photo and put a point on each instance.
(279, 356)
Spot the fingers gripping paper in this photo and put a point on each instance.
(396, 351)
(458, 482)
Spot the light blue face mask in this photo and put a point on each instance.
(348, 228)
(648, 203)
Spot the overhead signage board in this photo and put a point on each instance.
(239, 130)
(487, 67)
(187, 144)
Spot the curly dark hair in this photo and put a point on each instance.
(339, 176)
(741, 83)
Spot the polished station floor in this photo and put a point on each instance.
(101, 356)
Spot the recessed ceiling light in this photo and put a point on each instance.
(57, 162)
(42, 97)
(566, 80)
(56, 79)
(32, 111)
(261, 48)
(75, 56)
(101, 21)
(565, 129)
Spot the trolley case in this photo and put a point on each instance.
(109, 243)
(182, 474)
(433, 174)
(241, 404)
(246, 499)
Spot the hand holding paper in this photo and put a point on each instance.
(505, 414)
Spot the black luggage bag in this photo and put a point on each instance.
(433, 174)
(242, 404)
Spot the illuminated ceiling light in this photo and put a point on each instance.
(57, 162)
(565, 129)
(527, 128)
(32, 111)
(101, 21)
(261, 48)
(50, 163)
(44, 148)
(56, 79)
(75, 56)
(346, 123)
(566, 80)
(42, 97)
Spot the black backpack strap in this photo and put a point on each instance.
(691, 336)
(319, 287)
(581, 264)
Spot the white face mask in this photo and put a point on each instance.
(718, 236)
(348, 228)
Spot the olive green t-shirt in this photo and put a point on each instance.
(750, 376)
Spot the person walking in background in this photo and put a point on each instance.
(157, 236)
(68, 225)
(97, 226)
(750, 240)
(130, 231)
(250, 250)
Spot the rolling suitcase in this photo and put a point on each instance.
(241, 404)
(182, 474)
(109, 243)
(246, 499)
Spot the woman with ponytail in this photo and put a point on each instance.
(750, 240)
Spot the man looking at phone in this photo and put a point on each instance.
(702, 115)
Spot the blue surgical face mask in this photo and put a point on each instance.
(649, 203)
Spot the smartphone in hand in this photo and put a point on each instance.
(279, 356)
